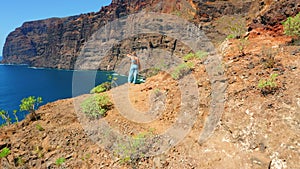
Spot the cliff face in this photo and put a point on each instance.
(57, 42)
(53, 42)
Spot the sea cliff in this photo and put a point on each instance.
(57, 42)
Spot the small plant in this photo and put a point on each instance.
(242, 43)
(86, 157)
(60, 161)
(5, 116)
(234, 26)
(152, 71)
(96, 106)
(198, 55)
(4, 152)
(268, 55)
(30, 104)
(38, 151)
(181, 70)
(231, 36)
(15, 114)
(157, 92)
(177, 13)
(189, 56)
(110, 77)
(292, 26)
(201, 54)
(2, 125)
(269, 85)
(19, 161)
(131, 152)
(101, 88)
(39, 127)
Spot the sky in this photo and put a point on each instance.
(13, 13)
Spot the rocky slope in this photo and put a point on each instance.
(254, 130)
(58, 42)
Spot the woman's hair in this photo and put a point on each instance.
(133, 53)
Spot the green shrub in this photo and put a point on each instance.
(151, 71)
(268, 55)
(201, 54)
(86, 157)
(197, 55)
(231, 36)
(101, 88)
(5, 116)
(96, 106)
(38, 151)
(27, 104)
(30, 104)
(242, 43)
(130, 152)
(268, 86)
(110, 77)
(189, 56)
(60, 161)
(19, 161)
(2, 125)
(15, 114)
(39, 127)
(4, 152)
(292, 26)
(181, 70)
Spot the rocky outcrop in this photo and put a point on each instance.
(269, 14)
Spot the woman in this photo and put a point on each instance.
(134, 68)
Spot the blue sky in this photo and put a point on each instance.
(13, 13)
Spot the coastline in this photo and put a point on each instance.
(21, 81)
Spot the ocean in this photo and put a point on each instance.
(20, 81)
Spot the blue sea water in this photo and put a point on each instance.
(20, 81)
